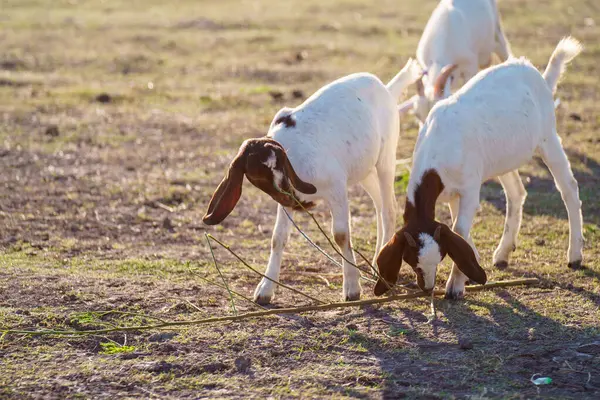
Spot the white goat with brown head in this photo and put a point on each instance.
(345, 133)
(497, 122)
(459, 39)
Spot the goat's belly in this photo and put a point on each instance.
(361, 167)
(358, 157)
(507, 159)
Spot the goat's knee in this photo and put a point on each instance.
(341, 239)
(278, 242)
(570, 193)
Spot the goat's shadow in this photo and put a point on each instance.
(421, 359)
(546, 282)
(543, 198)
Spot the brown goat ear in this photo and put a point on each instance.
(228, 192)
(462, 254)
(298, 183)
(389, 262)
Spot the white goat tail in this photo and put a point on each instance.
(566, 50)
(406, 77)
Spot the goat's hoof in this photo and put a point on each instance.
(454, 295)
(352, 297)
(575, 265)
(501, 264)
(262, 300)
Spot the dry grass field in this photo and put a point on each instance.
(117, 121)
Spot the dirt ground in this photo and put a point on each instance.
(118, 119)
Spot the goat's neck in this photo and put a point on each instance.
(425, 197)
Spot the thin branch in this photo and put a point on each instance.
(433, 316)
(189, 303)
(258, 314)
(333, 246)
(164, 206)
(221, 275)
(316, 246)
(325, 280)
(103, 313)
(223, 287)
(260, 273)
(375, 272)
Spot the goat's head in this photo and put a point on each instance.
(423, 242)
(431, 87)
(423, 245)
(266, 165)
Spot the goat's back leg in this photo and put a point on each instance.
(281, 232)
(467, 208)
(555, 158)
(502, 47)
(340, 224)
(515, 197)
(371, 186)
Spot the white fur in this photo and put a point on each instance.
(345, 133)
(429, 258)
(461, 32)
(496, 123)
(271, 162)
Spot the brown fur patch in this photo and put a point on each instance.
(287, 120)
(426, 195)
(340, 238)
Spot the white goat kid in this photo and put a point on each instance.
(459, 39)
(496, 123)
(345, 133)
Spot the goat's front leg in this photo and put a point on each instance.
(340, 223)
(281, 232)
(467, 208)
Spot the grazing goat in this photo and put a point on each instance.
(345, 133)
(489, 128)
(459, 39)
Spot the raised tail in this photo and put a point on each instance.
(406, 77)
(566, 50)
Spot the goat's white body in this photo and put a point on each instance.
(345, 133)
(496, 123)
(462, 32)
(341, 131)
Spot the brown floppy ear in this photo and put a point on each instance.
(228, 192)
(389, 262)
(296, 182)
(462, 254)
